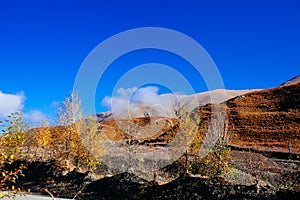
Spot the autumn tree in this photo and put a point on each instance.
(68, 114)
(11, 141)
(14, 131)
(91, 143)
(64, 135)
(205, 150)
(43, 135)
(216, 156)
(41, 141)
(77, 137)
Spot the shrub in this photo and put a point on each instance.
(216, 163)
(12, 138)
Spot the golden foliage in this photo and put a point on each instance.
(43, 136)
(217, 162)
(13, 137)
(76, 137)
(14, 132)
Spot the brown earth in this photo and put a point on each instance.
(143, 128)
(266, 120)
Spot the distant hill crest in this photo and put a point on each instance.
(294, 80)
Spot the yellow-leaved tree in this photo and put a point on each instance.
(11, 141)
(75, 135)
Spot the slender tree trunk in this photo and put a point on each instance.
(186, 162)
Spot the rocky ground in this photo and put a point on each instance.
(252, 176)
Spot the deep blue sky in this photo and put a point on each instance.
(255, 44)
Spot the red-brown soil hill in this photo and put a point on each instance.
(266, 119)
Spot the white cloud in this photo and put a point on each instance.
(137, 101)
(121, 101)
(149, 95)
(10, 103)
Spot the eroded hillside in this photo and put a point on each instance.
(265, 120)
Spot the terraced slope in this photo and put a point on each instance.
(267, 119)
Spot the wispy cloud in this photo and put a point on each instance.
(36, 117)
(10, 103)
(55, 104)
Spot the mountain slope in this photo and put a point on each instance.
(261, 119)
(267, 119)
(294, 80)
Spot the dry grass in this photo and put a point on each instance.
(267, 119)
